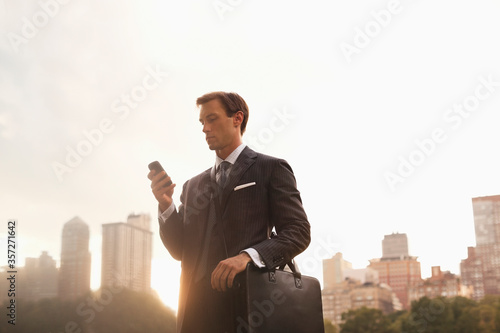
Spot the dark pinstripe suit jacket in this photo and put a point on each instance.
(248, 215)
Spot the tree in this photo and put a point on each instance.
(430, 316)
(365, 320)
(121, 311)
(134, 312)
(494, 302)
(329, 327)
(460, 304)
(397, 318)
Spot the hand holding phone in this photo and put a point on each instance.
(158, 168)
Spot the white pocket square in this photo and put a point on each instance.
(239, 187)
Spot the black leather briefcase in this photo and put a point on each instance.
(277, 301)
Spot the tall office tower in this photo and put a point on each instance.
(126, 253)
(487, 220)
(74, 273)
(345, 289)
(39, 278)
(332, 270)
(396, 268)
(352, 294)
(484, 260)
(395, 246)
(471, 273)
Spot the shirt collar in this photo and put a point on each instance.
(231, 158)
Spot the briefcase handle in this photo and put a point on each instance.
(294, 268)
(297, 276)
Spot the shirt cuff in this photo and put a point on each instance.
(255, 256)
(162, 217)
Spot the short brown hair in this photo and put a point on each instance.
(232, 103)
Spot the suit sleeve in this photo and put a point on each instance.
(172, 230)
(288, 217)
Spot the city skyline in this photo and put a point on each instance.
(393, 246)
(394, 281)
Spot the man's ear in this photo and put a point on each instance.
(238, 118)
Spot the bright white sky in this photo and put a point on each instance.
(343, 90)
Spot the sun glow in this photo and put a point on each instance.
(165, 274)
(165, 277)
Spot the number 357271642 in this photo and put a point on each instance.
(11, 255)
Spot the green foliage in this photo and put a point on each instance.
(438, 315)
(365, 320)
(494, 303)
(135, 313)
(397, 318)
(329, 327)
(430, 315)
(121, 311)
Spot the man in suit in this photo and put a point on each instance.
(226, 217)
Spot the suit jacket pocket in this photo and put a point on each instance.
(242, 186)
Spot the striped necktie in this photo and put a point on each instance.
(224, 167)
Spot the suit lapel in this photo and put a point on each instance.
(244, 161)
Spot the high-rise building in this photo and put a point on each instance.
(396, 268)
(38, 278)
(487, 220)
(471, 272)
(395, 246)
(346, 288)
(481, 270)
(399, 274)
(332, 270)
(74, 273)
(351, 294)
(126, 253)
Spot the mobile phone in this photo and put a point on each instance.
(158, 168)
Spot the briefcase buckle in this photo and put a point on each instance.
(272, 277)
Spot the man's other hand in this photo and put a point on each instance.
(223, 275)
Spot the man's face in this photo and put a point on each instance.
(220, 130)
